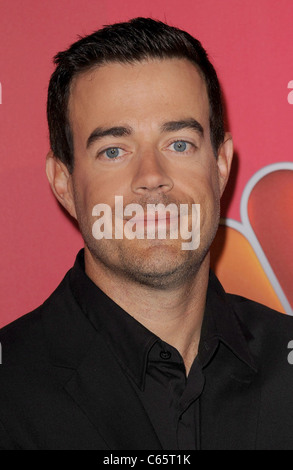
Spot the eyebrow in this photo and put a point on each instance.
(122, 131)
(190, 123)
(100, 132)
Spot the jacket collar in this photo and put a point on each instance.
(221, 324)
(128, 339)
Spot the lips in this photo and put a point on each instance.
(153, 219)
(153, 227)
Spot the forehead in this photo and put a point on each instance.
(146, 91)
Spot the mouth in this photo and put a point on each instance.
(152, 226)
(153, 220)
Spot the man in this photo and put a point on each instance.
(139, 347)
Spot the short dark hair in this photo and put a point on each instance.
(128, 42)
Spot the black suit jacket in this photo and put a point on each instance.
(62, 388)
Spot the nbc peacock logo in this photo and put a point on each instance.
(253, 257)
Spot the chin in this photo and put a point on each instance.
(160, 266)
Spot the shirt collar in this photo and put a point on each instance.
(130, 341)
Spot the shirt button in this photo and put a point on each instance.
(165, 354)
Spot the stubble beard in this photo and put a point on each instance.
(157, 264)
(159, 267)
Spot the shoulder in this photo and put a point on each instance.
(258, 315)
(40, 351)
(17, 338)
(257, 320)
(269, 332)
(26, 339)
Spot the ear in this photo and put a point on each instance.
(60, 181)
(224, 161)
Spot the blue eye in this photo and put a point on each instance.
(180, 146)
(112, 152)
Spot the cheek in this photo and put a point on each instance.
(202, 184)
(91, 189)
(204, 188)
(213, 179)
(85, 195)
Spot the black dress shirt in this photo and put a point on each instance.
(172, 400)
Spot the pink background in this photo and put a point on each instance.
(251, 45)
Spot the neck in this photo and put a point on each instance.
(174, 315)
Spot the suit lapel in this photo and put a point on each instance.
(105, 395)
(230, 401)
(89, 372)
(230, 406)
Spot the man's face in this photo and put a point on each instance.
(141, 131)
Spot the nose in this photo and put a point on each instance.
(150, 176)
